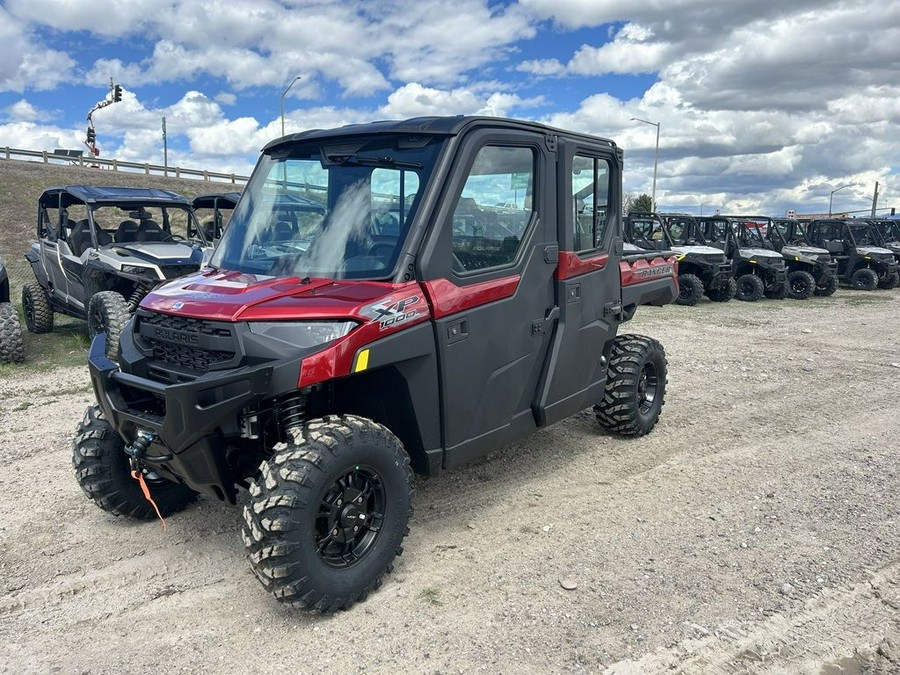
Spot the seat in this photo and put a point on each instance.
(150, 230)
(80, 237)
(281, 231)
(127, 232)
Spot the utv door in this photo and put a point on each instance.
(49, 227)
(489, 278)
(588, 285)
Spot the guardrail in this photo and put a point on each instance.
(116, 165)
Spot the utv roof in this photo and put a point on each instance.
(208, 201)
(435, 126)
(94, 194)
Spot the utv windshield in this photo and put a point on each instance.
(323, 209)
(129, 223)
(684, 231)
(861, 234)
(752, 233)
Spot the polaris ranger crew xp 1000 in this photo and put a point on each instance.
(408, 317)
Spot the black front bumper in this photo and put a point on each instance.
(190, 421)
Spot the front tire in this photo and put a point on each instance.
(108, 313)
(328, 514)
(38, 311)
(690, 290)
(635, 386)
(104, 473)
(864, 279)
(724, 292)
(800, 284)
(750, 288)
(12, 349)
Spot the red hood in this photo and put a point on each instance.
(234, 296)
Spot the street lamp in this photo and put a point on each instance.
(655, 160)
(831, 197)
(283, 94)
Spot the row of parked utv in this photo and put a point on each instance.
(100, 250)
(751, 257)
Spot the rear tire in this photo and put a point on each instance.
(800, 285)
(108, 313)
(690, 290)
(37, 308)
(777, 293)
(12, 349)
(827, 285)
(635, 386)
(890, 281)
(864, 279)
(724, 292)
(750, 288)
(104, 473)
(328, 514)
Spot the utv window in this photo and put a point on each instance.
(494, 209)
(340, 211)
(590, 202)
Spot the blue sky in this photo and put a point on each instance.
(763, 106)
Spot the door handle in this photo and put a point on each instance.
(457, 330)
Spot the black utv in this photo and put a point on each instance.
(758, 270)
(888, 233)
(460, 284)
(811, 270)
(12, 349)
(701, 268)
(213, 211)
(100, 250)
(856, 246)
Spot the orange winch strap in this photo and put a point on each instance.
(139, 477)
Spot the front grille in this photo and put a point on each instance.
(175, 271)
(185, 343)
(189, 357)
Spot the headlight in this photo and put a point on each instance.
(302, 333)
(140, 271)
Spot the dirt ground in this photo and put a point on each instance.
(754, 531)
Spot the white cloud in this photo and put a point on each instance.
(416, 100)
(24, 62)
(226, 98)
(23, 111)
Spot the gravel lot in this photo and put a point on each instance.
(754, 531)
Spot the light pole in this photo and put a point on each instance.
(831, 197)
(655, 160)
(283, 94)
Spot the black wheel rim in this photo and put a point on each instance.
(798, 285)
(648, 387)
(746, 288)
(350, 517)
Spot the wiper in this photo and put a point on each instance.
(365, 160)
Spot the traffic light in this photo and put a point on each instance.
(91, 135)
(117, 93)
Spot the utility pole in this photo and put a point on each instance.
(875, 199)
(165, 149)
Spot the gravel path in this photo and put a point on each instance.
(754, 531)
